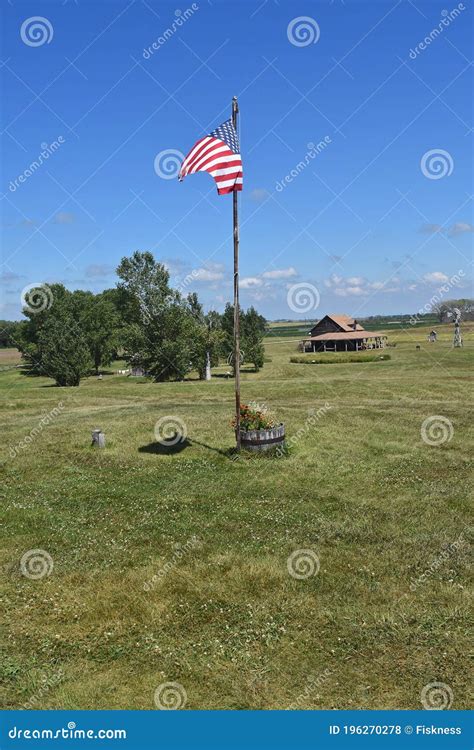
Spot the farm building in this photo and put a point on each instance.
(341, 333)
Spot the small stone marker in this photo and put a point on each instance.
(98, 439)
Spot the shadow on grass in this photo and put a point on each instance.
(227, 453)
(179, 444)
(231, 377)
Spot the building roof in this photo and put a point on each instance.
(343, 321)
(350, 334)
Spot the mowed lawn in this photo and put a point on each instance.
(224, 618)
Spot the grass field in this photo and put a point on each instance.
(172, 565)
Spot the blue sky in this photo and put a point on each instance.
(374, 222)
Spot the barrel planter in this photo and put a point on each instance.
(259, 441)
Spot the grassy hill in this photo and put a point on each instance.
(211, 537)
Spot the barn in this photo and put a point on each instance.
(341, 333)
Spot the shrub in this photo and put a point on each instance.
(335, 359)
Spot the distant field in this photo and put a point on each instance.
(301, 329)
(9, 357)
(385, 512)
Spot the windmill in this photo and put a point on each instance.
(456, 314)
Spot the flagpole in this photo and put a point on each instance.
(235, 109)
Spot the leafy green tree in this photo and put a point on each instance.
(95, 316)
(254, 327)
(100, 323)
(29, 331)
(65, 356)
(9, 331)
(207, 337)
(252, 331)
(160, 333)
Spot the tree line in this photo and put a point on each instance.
(142, 320)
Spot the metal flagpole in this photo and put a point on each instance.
(235, 109)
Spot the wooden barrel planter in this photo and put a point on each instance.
(263, 440)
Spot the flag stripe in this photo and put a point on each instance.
(218, 154)
(196, 148)
(227, 170)
(207, 149)
(209, 156)
(226, 183)
(223, 159)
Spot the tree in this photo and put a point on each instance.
(94, 315)
(159, 336)
(29, 331)
(65, 355)
(466, 306)
(254, 327)
(252, 331)
(207, 337)
(9, 331)
(100, 323)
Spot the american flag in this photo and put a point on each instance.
(219, 154)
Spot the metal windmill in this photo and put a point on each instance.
(456, 314)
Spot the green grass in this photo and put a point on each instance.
(359, 488)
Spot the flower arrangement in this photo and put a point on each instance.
(255, 416)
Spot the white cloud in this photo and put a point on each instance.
(206, 274)
(333, 280)
(355, 291)
(358, 286)
(461, 228)
(348, 291)
(280, 273)
(435, 277)
(250, 282)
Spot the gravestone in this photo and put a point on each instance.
(98, 439)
